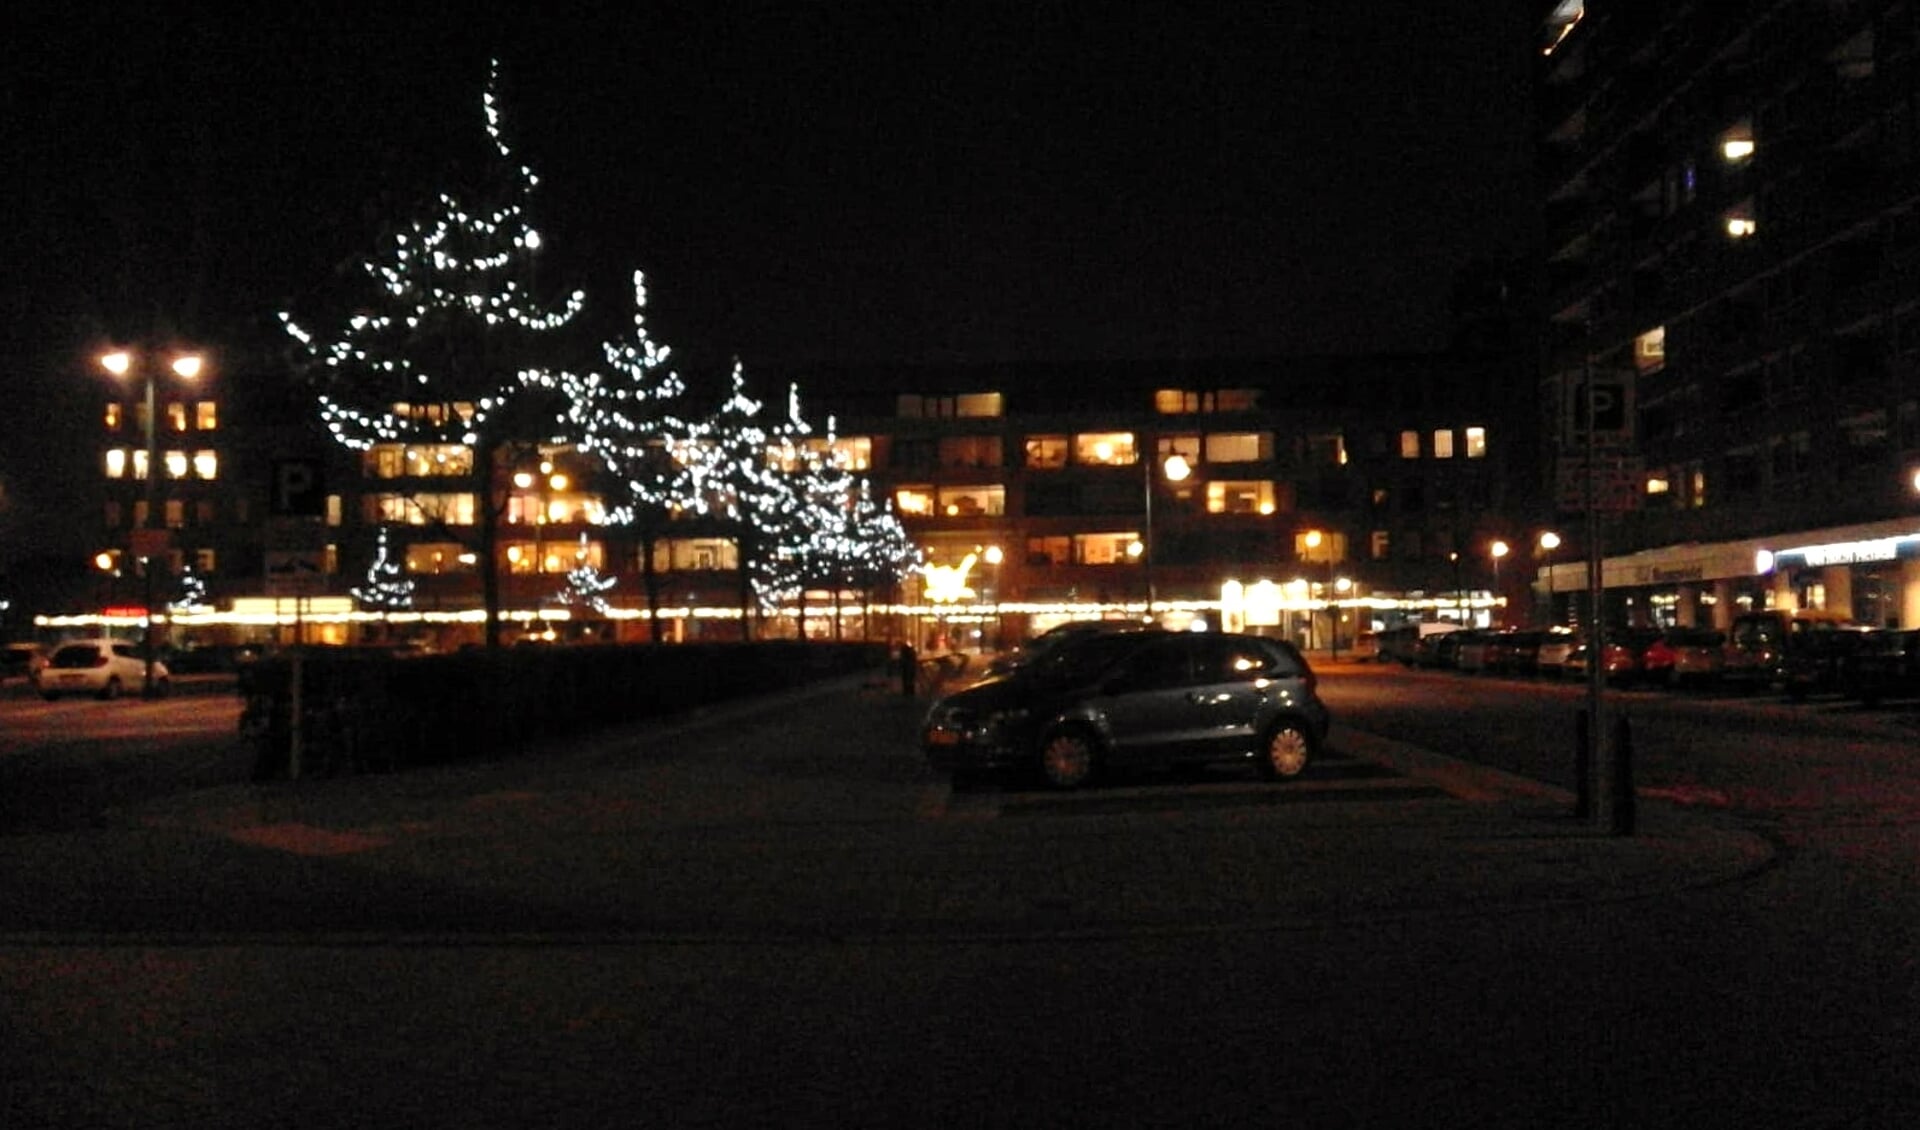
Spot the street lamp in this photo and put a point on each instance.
(1498, 549)
(1549, 541)
(1313, 540)
(150, 538)
(1176, 469)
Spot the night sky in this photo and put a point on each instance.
(801, 182)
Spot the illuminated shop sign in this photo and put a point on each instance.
(1848, 552)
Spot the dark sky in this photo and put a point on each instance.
(801, 181)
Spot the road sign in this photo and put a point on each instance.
(293, 573)
(299, 489)
(1608, 400)
(1619, 482)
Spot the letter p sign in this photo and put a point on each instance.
(299, 489)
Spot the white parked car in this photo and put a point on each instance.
(104, 668)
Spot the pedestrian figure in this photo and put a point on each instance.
(909, 668)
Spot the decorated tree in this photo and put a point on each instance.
(739, 477)
(451, 345)
(387, 587)
(585, 586)
(622, 416)
(190, 593)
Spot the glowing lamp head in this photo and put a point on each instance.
(119, 362)
(1549, 541)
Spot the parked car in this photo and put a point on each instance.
(1886, 664)
(1757, 643)
(1132, 700)
(1623, 652)
(1053, 637)
(1685, 656)
(1470, 653)
(1402, 643)
(104, 668)
(1556, 644)
(1515, 651)
(1813, 660)
(1439, 651)
(22, 661)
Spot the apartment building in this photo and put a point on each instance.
(1733, 259)
(1375, 485)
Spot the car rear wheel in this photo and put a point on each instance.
(1068, 759)
(111, 690)
(1287, 751)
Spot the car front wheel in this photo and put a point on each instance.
(1287, 751)
(1067, 759)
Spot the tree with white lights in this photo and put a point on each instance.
(388, 588)
(622, 416)
(452, 345)
(191, 592)
(585, 586)
(738, 475)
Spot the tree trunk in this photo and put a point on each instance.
(650, 579)
(489, 539)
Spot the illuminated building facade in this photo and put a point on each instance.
(1733, 270)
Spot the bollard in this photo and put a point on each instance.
(1582, 768)
(1623, 801)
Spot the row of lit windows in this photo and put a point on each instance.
(204, 561)
(178, 464)
(1253, 496)
(1166, 401)
(529, 558)
(175, 513)
(1444, 443)
(414, 460)
(176, 416)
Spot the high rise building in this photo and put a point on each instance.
(1732, 372)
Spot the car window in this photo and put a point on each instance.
(1081, 661)
(1166, 664)
(125, 651)
(1218, 659)
(76, 655)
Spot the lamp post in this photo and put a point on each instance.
(1498, 549)
(1176, 469)
(1313, 540)
(1549, 541)
(148, 540)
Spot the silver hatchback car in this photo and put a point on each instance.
(1135, 700)
(103, 668)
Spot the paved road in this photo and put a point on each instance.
(783, 919)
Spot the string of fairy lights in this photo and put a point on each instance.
(454, 336)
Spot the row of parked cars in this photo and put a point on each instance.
(1800, 655)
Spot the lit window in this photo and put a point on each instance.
(420, 509)
(176, 463)
(176, 513)
(1252, 497)
(1650, 350)
(916, 500)
(1104, 449)
(972, 502)
(1658, 484)
(1175, 401)
(978, 404)
(1443, 443)
(1737, 145)
(1239, 447)
(438, 557)
(116, 416)
(206, 465)
(1046, 452)
(139, 463)
(1103, 549)
(855, 453)
(1185, 446)
(177, 416)
(116, 464)
(204, 561)
(1476, 443)
(1380, 545)
(1740, 222)
(206, 415)
(1409, 445)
